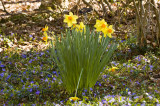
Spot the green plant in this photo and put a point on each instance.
(81, 51)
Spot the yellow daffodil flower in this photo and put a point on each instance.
(108, 31)
(80, 27)
(74, 26)
(45, 38)
(100, 25)
(113, 69)
(74, 98)
(45, 29)
(70, 19)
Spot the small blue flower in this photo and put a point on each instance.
(91, 89)
(151, 67)
(38, 92)
(30, 36)
(31, 90)
(49, 75)
(3, 69)
(85, 90)
(104, 101)
(2, 65)
(24, 56)
(46, 80)
(83, 94)
(8, 77)
(30, 61)
(54, 78)
(32, 82)
(2, 74)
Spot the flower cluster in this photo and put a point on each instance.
(45, 38)
(100, 25)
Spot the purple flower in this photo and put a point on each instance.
(24, 56)
(30, 36)
(54, 78)
(0, 62)
(83, 94)
(104, 101)
(85, 90)
(3, 69)
(2, 74)
(38, 92)
(151, 67)
(41, 54)
(137, 82)
(30, 61)
(8, 77)
(2, 65)
(46, 80)
(32, 82)
(31, 90)
(49, 75)
(144, 67)
(136, 97)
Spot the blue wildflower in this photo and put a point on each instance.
(2, 65)
(32, 82)
(46, 80)
(30, 36)
(24, 56)
(31, 90)
(38, 92)
(3, 69)
(151, 67)
(104, 101)
(49, 75)
(30, 61)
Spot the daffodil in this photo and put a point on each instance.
(74, 98)
(45, 38)
(45, 29)
(113, 69)
(74, 26)
(70, 19)
(100, 25)
(80, 27)
(108, 31)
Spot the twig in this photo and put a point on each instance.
(4, 7)
(104, 8)
(85, 2)
(108, 5)
(158, 22)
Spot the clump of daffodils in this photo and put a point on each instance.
(101, 25)
(45, 37)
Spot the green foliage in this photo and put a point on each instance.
(81, 51)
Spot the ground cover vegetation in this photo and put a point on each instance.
(92, 52)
